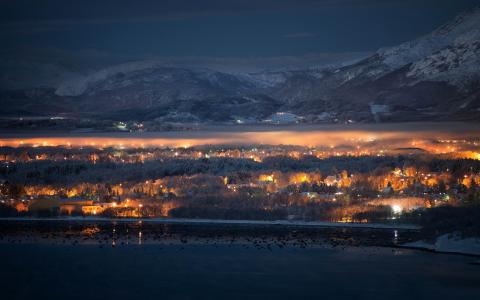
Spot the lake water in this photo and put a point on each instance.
(111, 260)
(43, 271)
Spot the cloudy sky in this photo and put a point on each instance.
(89, 33)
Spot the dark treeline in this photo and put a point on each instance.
(74, 171)
(447, 219)
(62, 151)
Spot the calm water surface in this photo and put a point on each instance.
(82, 260)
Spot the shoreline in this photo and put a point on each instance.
(418, 245)
(285, 223)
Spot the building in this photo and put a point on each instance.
(283, 118)
(44, 206)
(331, 180)
(73, 206)
(96, 209)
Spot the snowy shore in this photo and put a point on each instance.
(449, 243)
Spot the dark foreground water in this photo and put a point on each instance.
(42, 271)
(139, 261)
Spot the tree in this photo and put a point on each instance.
(442, 188)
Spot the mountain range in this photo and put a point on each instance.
(435, 77)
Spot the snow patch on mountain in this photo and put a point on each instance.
(462, 29)
(265, 79)
(458, 65)
(79, 85)
(148, 72)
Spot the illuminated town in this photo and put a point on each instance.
(356, 180)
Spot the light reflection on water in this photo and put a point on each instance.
(114, 235)
(90, 230)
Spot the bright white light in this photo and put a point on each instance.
(396, 209)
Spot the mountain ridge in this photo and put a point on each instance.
(434, 77)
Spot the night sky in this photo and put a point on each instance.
(90, 33)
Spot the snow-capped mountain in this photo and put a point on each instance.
(458, 65)
(431, 75)
(449, 54)
(436, 76)
(463, 29)
(151, 90)
(146, 85)
(147, 73)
